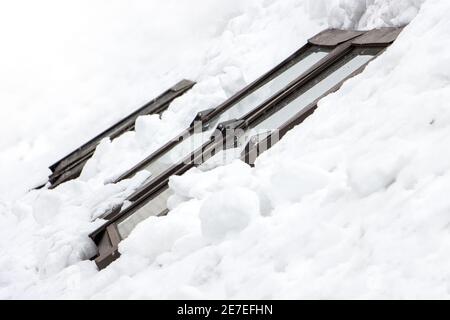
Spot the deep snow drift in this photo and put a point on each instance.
(348, 204)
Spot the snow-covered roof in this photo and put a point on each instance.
(294, 100)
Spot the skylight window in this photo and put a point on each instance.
(291, 103)
(71, 165)
(343, 69)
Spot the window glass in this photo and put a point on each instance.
(152, 208)
(277, 119)
(178, 152)
(275, 85)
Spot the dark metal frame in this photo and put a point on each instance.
(344, 42)
(381, 37)
(255, 147)
(71, 165)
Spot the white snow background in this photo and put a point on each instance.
(350, 204)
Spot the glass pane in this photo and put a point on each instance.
(221, 158)
(263, 93)
(178, 152)
(152, 208)
(277, 119)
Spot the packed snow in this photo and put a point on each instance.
(349, 204)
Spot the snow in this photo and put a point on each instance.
(349, 204)
(221, 217)
(69, 75)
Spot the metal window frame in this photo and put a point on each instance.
(255, 147)
(107, 237)
(373, 38)
(70, 166)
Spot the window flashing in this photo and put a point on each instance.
(378, 37)
(334, 37)
(202, 117)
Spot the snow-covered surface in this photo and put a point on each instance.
(350, 204)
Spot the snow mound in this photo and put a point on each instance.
(227, 212)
